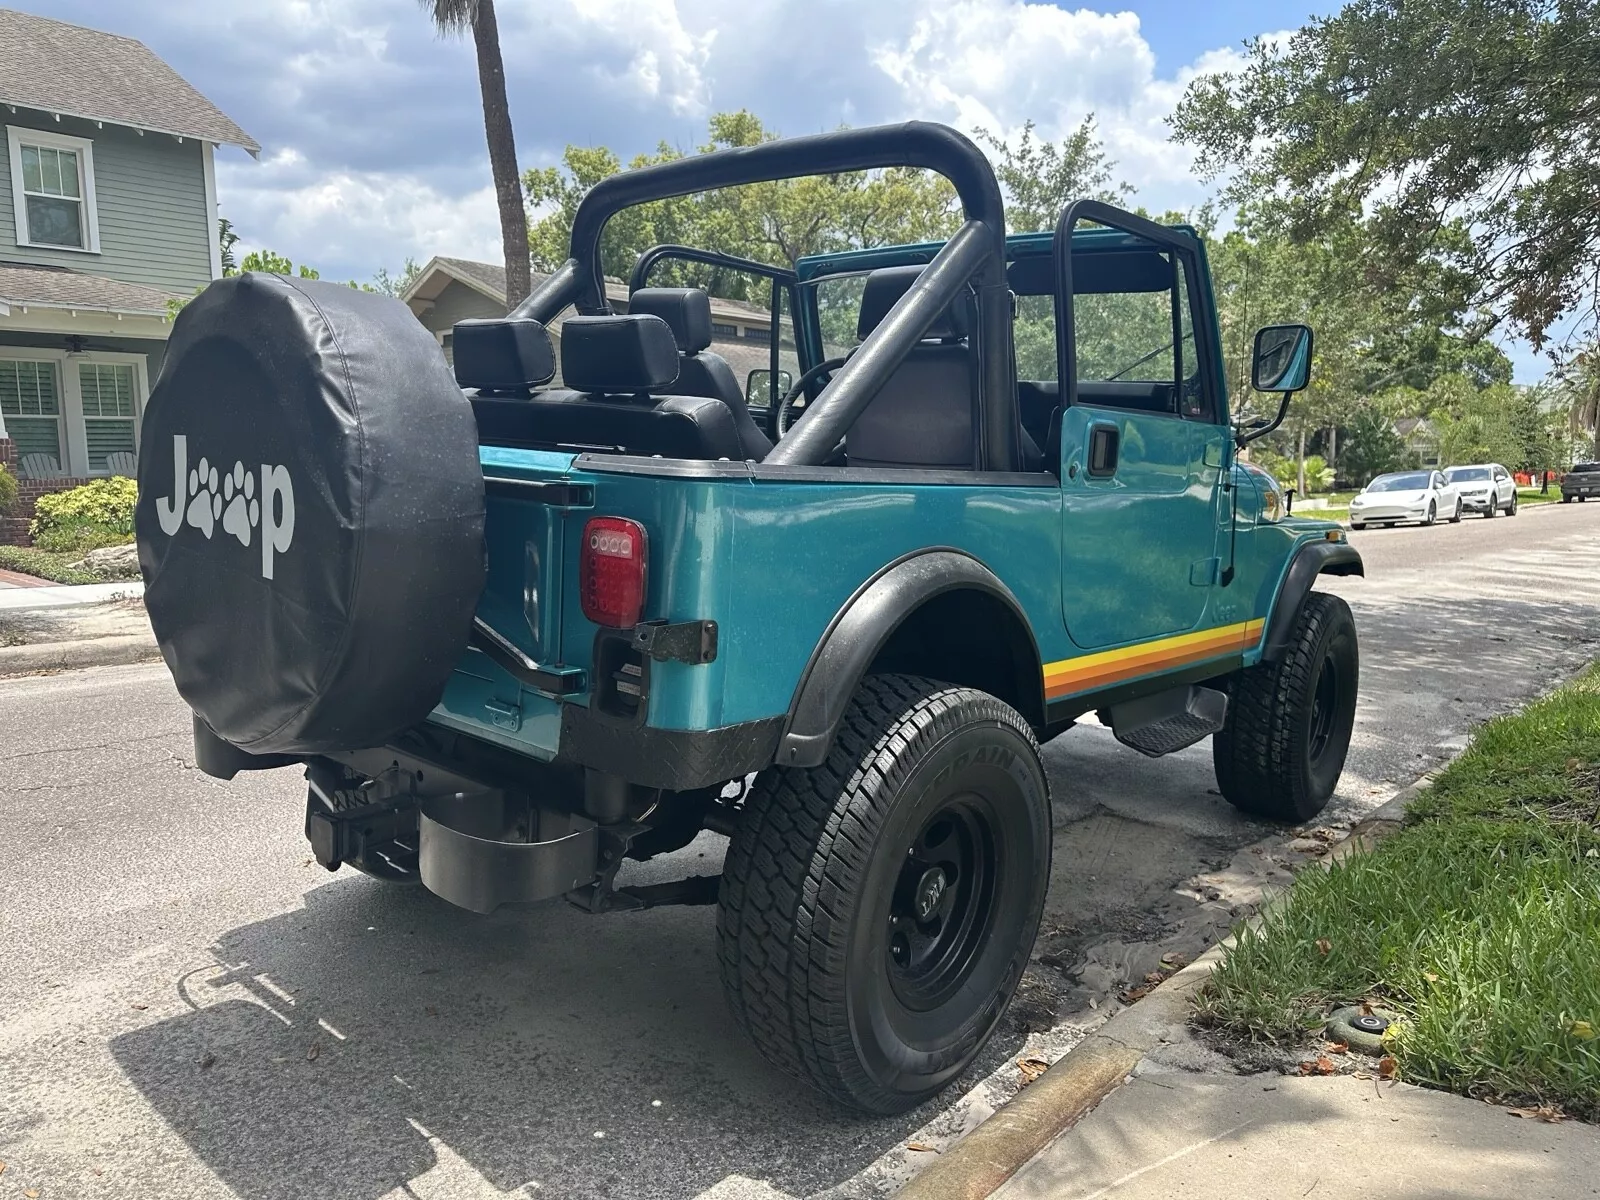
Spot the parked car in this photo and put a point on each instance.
(1421, 496)
(519, 635)
(1486, 488)
(1581, 482)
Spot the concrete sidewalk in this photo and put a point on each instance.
(1171, 1134)
(13, 596)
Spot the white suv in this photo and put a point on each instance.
(1485, 488)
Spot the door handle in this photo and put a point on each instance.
(1105, 443)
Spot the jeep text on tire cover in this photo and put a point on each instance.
(198, 500)
(823, 587)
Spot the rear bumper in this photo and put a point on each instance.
(676, 759)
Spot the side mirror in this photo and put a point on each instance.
(759, 391)
(1282, 360)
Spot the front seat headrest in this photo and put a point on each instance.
(687, 311)
(886, 285)
(618, 355)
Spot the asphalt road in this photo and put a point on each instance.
(189, 1007)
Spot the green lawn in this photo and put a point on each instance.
(42, 564)
(1479, 922)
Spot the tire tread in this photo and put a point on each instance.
(805, 838)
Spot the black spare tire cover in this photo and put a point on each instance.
(310, 515)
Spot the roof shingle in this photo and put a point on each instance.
(67, 69)
(74, 289)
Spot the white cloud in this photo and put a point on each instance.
(371, 125)
(350, 222)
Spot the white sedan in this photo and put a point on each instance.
(1486, 488)
(1421, 496)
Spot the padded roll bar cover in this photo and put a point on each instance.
(1309, 561)
(687, 311)
(618, 355)
(313, 589)
(509, 355)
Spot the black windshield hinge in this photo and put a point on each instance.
(692, 642)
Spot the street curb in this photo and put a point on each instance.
(1071, 1089)
(45, 657)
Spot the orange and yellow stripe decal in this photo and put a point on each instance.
(1090, 671)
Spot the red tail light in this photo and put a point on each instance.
(611, 577)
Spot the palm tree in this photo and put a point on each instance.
(457, 16)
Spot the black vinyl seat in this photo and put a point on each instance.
(926, 415)
(687, 312)
(613, 366)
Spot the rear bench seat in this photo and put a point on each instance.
(610, 365)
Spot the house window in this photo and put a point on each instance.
(109, 412)
(30, 408)
(720, 330)
(758, 333)
(52, 189)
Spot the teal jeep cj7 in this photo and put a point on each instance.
(519, 633)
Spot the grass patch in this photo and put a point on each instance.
(1479, 923)
(56, 567)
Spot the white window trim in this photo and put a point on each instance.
(84, 148)
(75, 437)
(213, 211)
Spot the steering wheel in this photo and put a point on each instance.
(786, 406)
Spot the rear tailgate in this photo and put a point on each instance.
(506, 687)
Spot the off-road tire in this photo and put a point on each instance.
(815, 875)
(1267, 758)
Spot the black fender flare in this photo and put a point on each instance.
(862, 627)
(1309, 561)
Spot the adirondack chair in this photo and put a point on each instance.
(123, 462)
(41, 466)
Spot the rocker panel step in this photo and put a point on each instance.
(1168, 721)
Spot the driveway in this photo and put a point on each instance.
(190, 1007)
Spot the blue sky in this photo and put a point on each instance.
(371, 131)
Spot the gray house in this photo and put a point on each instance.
(108, 209)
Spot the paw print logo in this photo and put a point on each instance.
(241, 501)
(205, 504)
(244, 510)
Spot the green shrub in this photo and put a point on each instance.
(85, 518)
(8, 493)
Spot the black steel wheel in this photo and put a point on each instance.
(1289, 722)
(877, 911)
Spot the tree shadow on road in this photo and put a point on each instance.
(345, 1049)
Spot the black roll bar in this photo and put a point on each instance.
(580, 281)
(1109, 215)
